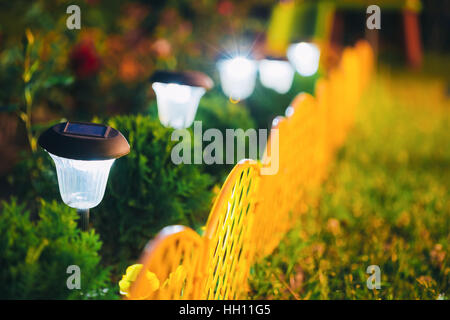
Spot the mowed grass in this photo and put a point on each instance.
(386, 202)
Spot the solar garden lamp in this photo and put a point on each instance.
(304, 57)
(83, 154)
(276, 73)
(237, 77)
(178, 95)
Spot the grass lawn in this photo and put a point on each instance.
(386, 202)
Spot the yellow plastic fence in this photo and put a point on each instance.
(253, 211)
(228, 235)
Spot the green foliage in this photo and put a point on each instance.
(146, 191)
(386, 202)
(34, 178)
(28, 78)
(216, 111)
(35, 254)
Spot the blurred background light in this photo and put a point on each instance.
(82, 183)
(238, 77)
(304, 57)
(276, 74)
(177, 103)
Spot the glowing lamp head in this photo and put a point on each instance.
(82, 183)
(178, 95)
(304, 57)
(276, 74)
(237, 77)
(83, 154)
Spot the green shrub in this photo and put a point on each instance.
(35, 254)
(216, 111)
(146, 191)
(34, 178)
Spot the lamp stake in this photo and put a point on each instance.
(83, 222)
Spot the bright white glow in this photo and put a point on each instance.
(82, 183)
(237, 77)
(289, 112)
(276, 121)
(304, 57)
(276, 75)
(177, 103)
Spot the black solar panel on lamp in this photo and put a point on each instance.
(83, 129)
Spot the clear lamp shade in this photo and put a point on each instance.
(177, 103)
(237, 77)
(276, 75)
(82, 183)
(304, 57)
